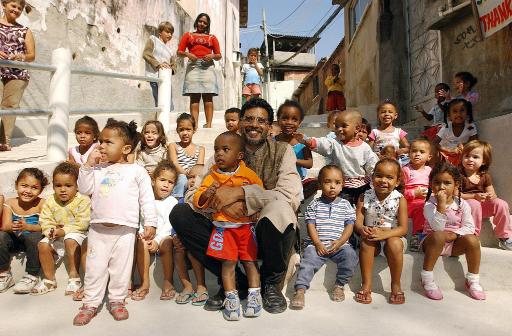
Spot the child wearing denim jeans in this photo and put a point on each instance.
(330, 221)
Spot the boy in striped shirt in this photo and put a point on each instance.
(330, 222)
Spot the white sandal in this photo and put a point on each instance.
(74, 284)
(43, 288)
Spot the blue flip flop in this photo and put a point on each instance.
(200, 302)
(186, 297)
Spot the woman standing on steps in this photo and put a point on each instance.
(200, 78)
(16, 44)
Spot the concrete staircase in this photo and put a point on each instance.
(457, 314)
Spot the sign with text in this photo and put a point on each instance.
(494, 15)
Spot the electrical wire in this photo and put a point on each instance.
(283, 20)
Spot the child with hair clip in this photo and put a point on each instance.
(415, 181)
(232, 119)
(355, 157)
(153, 147)
(120, 192)
(478, 191)
(387, 134)
(64, 222)
(330, 221)
(87, 134)
(381, 221)
(163, 179)
(458, 129)
(21, 228)
(184, 154)
(449, 230)
(232, 239)
(437, 112)
(290, 115)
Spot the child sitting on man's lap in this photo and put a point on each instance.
(232, 239)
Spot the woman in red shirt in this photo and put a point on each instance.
(200, 78)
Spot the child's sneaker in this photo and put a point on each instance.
(118, 310)
(414, 244)
(505, 244)
(85, 315)
(431, 290)
(25, 285)
(254, 304)
(475, 290)
(231, 311)
(6, 281)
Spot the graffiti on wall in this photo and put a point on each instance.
(468, 38)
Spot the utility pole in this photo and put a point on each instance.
(264, 27)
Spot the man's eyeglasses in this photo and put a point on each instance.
(250, 120)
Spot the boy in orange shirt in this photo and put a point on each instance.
(232, 239)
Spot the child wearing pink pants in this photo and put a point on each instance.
(478, 191)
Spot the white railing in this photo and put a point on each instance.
(59, 92)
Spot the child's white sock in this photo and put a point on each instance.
(226, 293)
(474, 281)
(254, 290)
(427, 279)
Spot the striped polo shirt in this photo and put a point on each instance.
(329, 217)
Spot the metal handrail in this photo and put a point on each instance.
(24, 112)
(27, 65)
(105, 110)
(90, 72)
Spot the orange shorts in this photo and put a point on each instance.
(233, 243)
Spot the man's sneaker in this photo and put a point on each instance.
(25, 285)
(414, 244)
(231, 311)
(6, 281)
(505, 244)
(475, 290)
(254, 304)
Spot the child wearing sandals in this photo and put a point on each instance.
(120, 192)
(381, 221)
(64, 222)
(478, 191)
(232, 238)
(330, 220)
(163, 179)
(20, 227)
(450, 231)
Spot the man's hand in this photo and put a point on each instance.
(225, 196)
(235, 210)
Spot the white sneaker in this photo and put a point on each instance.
(505, 244)
(25, 285)
(6, 281)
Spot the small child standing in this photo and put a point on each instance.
(232, 119)
(232, 239)
(184, 154)
(387, 134)
(415, 180)
(289, 117)
(450, 231)
(458, 130)
(153, 147)
(158, 55)
(355, 157)
(21, 227)
(252, 73)
(478, 191)
(64, 222)
(330, 221)
(436, 113)
(334, 84)
(120, 192)
(381, 220)
(163, 179)
(87, 134)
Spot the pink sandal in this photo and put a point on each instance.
(85, 315)
(118, 310)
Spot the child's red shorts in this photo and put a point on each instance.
(233, 243)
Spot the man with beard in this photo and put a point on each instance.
(275, 207)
